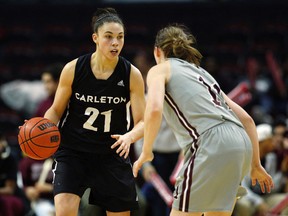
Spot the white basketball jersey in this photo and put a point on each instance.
(194, 102)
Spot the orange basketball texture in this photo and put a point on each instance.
(39, 138)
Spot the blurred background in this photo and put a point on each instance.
(240, 41)
(244, 44)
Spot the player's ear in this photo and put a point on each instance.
(94, 37)
(157, 52)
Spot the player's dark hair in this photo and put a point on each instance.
(176, 41)
(104, 15)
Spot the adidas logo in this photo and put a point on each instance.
(121, 83)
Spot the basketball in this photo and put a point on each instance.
(39, 138)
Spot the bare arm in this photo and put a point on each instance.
(249, 127)
(258, 173)
(154, 108)
(137, 99)
(156, 80)
(63, 93)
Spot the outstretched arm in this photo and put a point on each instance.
(153, 113)
(137, 99)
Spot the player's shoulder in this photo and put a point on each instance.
(136, 78)
(70, 66)
(163, 67)
(135, 71)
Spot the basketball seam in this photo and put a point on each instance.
(27, 141)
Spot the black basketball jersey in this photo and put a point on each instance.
(97, 108)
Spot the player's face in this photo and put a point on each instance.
(110, 39)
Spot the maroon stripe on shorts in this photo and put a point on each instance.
(186, 185)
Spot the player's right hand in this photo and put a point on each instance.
(144, 157)
(19, 127)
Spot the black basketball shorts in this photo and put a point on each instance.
(108, 175)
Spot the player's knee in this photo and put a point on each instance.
(66, 204)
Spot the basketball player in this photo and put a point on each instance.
(96, 90)
(218, 137)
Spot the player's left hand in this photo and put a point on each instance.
(259, 174)
(123, 143)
